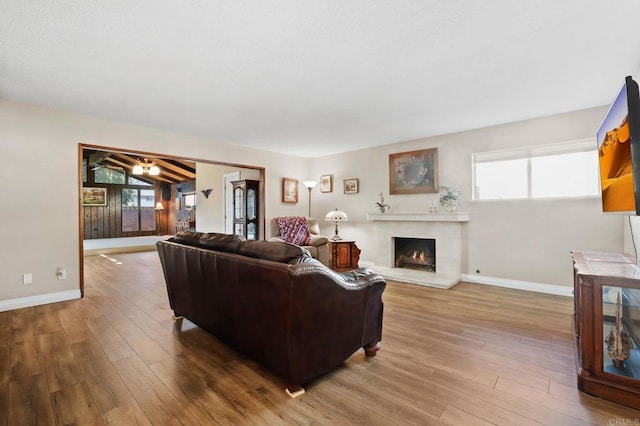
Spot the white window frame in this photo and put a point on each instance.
(529, 153)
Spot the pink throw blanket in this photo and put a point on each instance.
(294, 229)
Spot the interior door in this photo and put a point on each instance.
(228, 200)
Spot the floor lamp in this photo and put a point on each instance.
(159, 209)
(310, 184)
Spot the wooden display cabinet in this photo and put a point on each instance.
(246, 221)
(344, 255)
(600, 280)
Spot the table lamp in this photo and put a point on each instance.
(336, 216)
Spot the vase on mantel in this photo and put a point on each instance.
(451, 208)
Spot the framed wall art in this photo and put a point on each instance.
(351, 186)
(414, 172)
(94, 196)
(289, 190)
(326, 183)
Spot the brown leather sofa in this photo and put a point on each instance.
(318, 245)
(273, 302)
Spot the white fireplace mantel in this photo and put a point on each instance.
(446, 228)
(419, 217)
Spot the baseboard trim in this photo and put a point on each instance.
(41, 299)
(519, 285)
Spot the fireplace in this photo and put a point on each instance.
(415, 253)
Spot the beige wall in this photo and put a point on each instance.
(39, 207)
(526, 240)
(518, 240)
(210, 211)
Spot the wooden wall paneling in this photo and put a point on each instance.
(113, 209)
(117, 201)
(100, 218)
(87, 223)
(93, 219)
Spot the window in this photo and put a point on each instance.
(138, 210)
(105, 175)
(560, 170)
(136, 181)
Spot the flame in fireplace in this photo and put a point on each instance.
(419, 256)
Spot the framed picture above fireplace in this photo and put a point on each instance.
(414, 172)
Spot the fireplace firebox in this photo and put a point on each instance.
(415, 253)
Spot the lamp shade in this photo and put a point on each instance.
(154, 170)
(137, 169)
(309, 183)
(336, 216)
(159, 206)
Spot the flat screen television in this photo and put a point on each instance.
(619, 152)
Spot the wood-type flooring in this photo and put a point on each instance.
(472, 355)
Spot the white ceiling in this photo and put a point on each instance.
(317, 77)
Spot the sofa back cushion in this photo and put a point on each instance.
(275, 251)
(221, 242)
(189, 238)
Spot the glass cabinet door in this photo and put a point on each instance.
(238, 203)
(251, 204)
(621, 329)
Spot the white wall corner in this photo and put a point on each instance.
(519, 285)
(41, 299)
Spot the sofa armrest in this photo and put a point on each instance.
(351, 280)
(357, 273)
(275, 240)
(317, 240)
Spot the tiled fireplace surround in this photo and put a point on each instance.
(448, 229)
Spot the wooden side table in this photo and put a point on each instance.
(344, 255)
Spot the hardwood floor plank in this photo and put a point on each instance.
(503, 400)
(103, 381)
(5, 368)
(47, 320)
(548, 401)
(215, 408)
(5, 329)
(111, 341)
(470, 355)
(25, 359)
(153, 397)
(129, 414)
(73, 323)
(29, 402)
(453, 416)
(144, 346)
(74, 405)
(59, 364)
(23, 325)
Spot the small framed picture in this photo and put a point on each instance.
(326, 183)
(351, 186)
(289, 190)
(94, 196)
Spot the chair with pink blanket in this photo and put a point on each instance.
(304, 232)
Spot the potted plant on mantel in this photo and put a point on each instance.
(382, 207)
(449, 199)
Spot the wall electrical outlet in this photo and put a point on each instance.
(61, 273)
(27, 278)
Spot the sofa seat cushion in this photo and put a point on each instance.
(275, 251)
